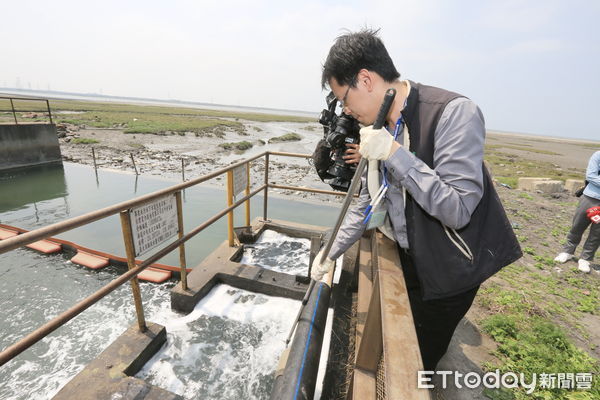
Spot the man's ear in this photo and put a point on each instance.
(365, 77)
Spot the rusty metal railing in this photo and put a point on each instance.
(387, 354)
(135, 268)
(15, 111)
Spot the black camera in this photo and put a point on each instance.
(339, 130)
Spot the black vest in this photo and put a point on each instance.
(442, 268)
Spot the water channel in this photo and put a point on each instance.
(34, 288)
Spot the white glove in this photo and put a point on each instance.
(319, 269)
(375, 144)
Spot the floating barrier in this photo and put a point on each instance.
(89, 258)
(7, 233)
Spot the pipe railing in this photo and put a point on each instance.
(15, 111)
(136, 267)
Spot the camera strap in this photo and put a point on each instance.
(378, 218)
(371, 211)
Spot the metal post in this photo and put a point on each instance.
(266, 187)
(182, 171)
(182, 262)
(247, 193)
(135, 285)
(133, 161)
(49, 113)
(229, 204)
(12, 106)
(94, 157)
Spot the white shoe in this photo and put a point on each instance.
(563, 257)
(584, 266)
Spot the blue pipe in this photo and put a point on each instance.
(300, 374)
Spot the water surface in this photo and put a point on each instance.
(35, 288)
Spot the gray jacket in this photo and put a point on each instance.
(450, 192)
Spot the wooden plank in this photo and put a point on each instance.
(363, 387)
(387, 252)
(371, 344)
(400, 344)
(365, 288)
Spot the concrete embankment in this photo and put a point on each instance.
(25, 145)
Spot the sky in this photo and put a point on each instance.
(532, 66)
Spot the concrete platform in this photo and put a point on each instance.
(549, 187)
(222, 266)
(543, 185)
(110, 375)
(571, 185)
(529, 183)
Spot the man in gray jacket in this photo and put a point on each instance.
(437, 199)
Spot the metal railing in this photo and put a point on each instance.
(387, 354)
(15, 111)
(135, 267)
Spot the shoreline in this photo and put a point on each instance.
(490, 132)
(277, 193)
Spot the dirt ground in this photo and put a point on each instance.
(163, 155)
(564, 153)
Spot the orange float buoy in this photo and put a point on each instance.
(89, 260)
(7, 233)
(45, 246)
(154, 275)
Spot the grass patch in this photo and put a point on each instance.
(151, 123)
(150, 119)
(507, 180)
(528, 250)
(508, 168)
(591, 146)
(527, 313)
(534, 310)
(548, 261)
(522, 148)
(288, 137)
(535, 346)
(71, 105)
(84, 141)
(241, 146)
(525, 195)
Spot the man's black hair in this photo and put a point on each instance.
(352, 52)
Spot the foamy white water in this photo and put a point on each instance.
(41, 371)
(227, 348)
(278, 252)
(237, 336)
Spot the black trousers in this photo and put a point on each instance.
(435, 320)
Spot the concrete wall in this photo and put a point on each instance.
(28, 144)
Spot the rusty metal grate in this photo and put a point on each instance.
(380, 379)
